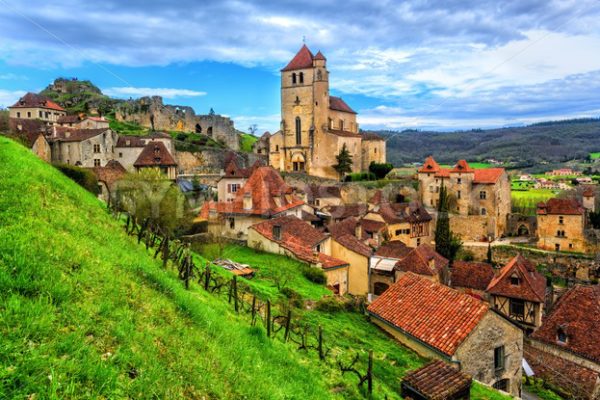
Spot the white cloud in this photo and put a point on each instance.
(168, 93)
(10, 97)
(263, 122)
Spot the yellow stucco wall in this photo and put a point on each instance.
(358, 271)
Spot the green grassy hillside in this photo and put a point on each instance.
(86, 312)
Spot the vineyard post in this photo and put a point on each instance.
(287, 325)
(253, 310)
(235, 293)
(207, 276)
(321, 356)
(268, 318)
(370, 373)
(165, 255)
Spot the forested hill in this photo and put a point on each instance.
(555, 141)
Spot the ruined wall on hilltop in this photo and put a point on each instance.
(147, 110)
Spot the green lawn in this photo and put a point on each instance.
(247, 141)
(126, 128)
(525, 200)
(595, 156)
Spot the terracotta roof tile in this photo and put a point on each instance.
(488, 175)
(430, 166)
(68, 119)
(337, 132)
(350, 241)
(532, 285)
(560, 207)
(67, 134)
(110, 173)
(303, 59)
(32, 100)
(462, 166)
(130, 141)
(394, 249)
(337, 104)
(423, 260)
(371, 136)
(153, 155)
(577, 313)
(438, 381)
(432, 313)
(394, 213)
(319, 56)
(471, 275)
(346, 210)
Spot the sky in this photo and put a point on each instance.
(416, 64)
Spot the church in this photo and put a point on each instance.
(315, 126)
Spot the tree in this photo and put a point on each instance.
(344, 161)
(252, 129)
(446, 243)
(380, 169)
(489, 254)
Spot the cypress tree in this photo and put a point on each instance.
(489, 254)
(442, 228)
(344, 161)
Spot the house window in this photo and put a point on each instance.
(341, 124)
(560, 233)
(40, 114)
(517, 308)
(318, 248)
(570, 245)
(458, 180)
(96, 162)
(483, 211)
(556, 247)
(277, 232)
(499, 358)
(233, 187)
(120, 155)
(502, 384)
(301, 76)
(514, 280)
(18, 114)
(317, 202)
(561, 336)
(294, 78)
(96, 148)
(561, 219)
(483, 195)
(298, 131)
(231, 223)
(418, 242)
(379, 288)
(276, 147)
(99, 189)
(458, 194)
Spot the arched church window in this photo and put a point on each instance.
(298, 131)
(294, 78)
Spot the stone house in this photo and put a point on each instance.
(561, 225)
(82, 147)
(35, 106)
(264, 196)
(519, 292)
(564, 351)
(156, 156)
(288, 235)
(348, 243)
(471, 277)
(108, 176)
(407, 222)
(128, 148)
(589, 199)
(435, 381)
(261, 146)
(316, 126)
(83, 122)
(382, 273)
(320, 196)
(480, 198)
(234, 177)
(423, 261)
(441, 323)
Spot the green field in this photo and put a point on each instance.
(595, 156)
(474, 165)
(86, 312)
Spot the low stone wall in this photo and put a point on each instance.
(472, 227)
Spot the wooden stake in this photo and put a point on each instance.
(321, 356)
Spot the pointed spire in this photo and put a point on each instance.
(303, 59)
(319, 56)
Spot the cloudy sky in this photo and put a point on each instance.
(402, 64)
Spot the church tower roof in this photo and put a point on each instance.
(319, 56)
(303, 59)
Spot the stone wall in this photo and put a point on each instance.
(521, 225)
(149, 111)
(472, 227)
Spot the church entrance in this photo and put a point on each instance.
(298, 163)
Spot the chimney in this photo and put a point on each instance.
(358, 230)
(277, 232)
(247, 201)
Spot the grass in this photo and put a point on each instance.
(126, 128)
(247, 141)
(525, 200)
(595, 156)
(86, 312)
(474, 165)
(536, 386)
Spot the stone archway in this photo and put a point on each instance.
(523, 230)
(198, 128)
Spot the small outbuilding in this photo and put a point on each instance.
(436, 381)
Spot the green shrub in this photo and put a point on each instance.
(330, 304)
(380, 169)
(360, 176)
(315, 275)
(83, 177)
(466, 255)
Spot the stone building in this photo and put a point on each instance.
(151, 112)
(407, 222)
(108, 176)
(589, 199)
(155, 155)
(471, 277)
(82, 147)
(233, 179)
(382, 272)
(290, 236)
(561, 225)
(441, 323)
(264, 196)
(129, 148)
(480, 198)
(519, 293)
(83, 122)
(564, 351)
(261, 146)
(35, 106)
(314, 125)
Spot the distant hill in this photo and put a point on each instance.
(553, 141)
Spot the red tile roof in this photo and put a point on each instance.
(68, 119)
(588, 192)
(423, 260)
(346, 210)
(462, 166)
(432, 313)
(319, 56)
(577, 313)
(130, 141)
(303, 59)
(471, 275)
(337, 132)
(488, 175)
(155, 154)
(394, 249)
(430, 166)
(300, 238)
(269, 193)
(532, 284)
(110, 173)
(32, 100)
(337, 104)
(372, 226)
(314, 191)
(347, 226)
(560, 207)
(395, 213)
(438, 381)
(67, 134)
(350, 241)
(371, 136)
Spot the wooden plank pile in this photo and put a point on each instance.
(235, 267)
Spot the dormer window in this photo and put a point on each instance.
(515, 281)
(561, 336)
